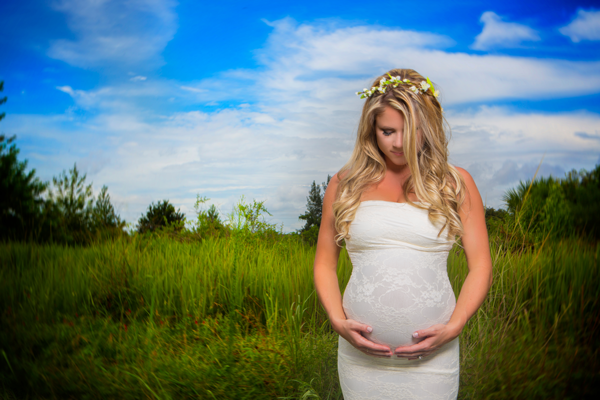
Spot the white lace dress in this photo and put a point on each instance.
(399, 284)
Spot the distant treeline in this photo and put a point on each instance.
(552, 208)
(66, 211)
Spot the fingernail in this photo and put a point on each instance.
(369, 329)
(416, 334)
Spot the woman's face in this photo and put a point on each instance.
(389, 129)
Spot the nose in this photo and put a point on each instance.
(398, 140)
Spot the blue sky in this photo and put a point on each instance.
(166, 100)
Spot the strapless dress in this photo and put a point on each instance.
(399, 284)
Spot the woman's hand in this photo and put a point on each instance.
(352, 331)
(434, 337)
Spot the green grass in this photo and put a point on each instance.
(238, 318)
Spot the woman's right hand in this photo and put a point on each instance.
(353, 331)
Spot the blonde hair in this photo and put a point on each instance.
(438, 185)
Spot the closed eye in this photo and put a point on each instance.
(387, 133)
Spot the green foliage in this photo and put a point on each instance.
(21, 199)
(554, 208)
(67, 215)
(103, 212)
(535, 335)
(314, 208)
(582, 191)
(248, 219)
(73, 216)
(20, 191)
(208, 222)
(148, 316)
(105, 221)
(491, 213)
(2, 100)
(160, 215)
(73, 201)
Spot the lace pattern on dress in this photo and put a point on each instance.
(399, 284)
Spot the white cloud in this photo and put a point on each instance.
(305, 64)
(306, 67)
(193, 89)
(67, 89)
(585, 26)
(500, 147)
(138, 78)
(297, 120)
(497, 33)
(115, 33)
(590, 136)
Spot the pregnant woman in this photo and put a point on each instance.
(400, 206)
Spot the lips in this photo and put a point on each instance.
(397, 154)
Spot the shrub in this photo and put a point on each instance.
(160, 215)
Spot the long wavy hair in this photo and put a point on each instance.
(437, 184)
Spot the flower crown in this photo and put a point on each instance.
(423, 87)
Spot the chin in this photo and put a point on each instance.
(399, 163)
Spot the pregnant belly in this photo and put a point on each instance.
(396, 308)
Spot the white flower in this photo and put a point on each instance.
(436, 93)
(406, 80)
(425, 86)
(382, 81)
(414, 89)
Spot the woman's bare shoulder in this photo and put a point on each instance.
(464, 173)
(472, 195)
(467, 178)
(332, 187)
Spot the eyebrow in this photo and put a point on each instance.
(386, 128)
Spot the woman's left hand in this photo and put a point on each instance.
(434, 337)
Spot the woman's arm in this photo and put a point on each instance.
(477, 284)
(479, 261)
(327, 285)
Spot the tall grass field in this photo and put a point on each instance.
(238, 318)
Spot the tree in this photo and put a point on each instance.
(314, 209)
(160, 215)
(494, 217)
(74, 199)
(67, 215)
(559, 207)
(73, 216)
(20, 191)
(103, 213)
(2, 100)
(209, 221)
(72, 205)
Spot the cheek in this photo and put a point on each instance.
(380, 142)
